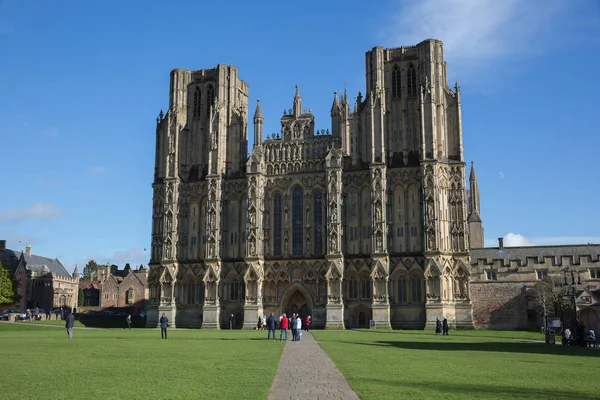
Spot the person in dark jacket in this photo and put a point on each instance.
(445, 327)
(438, 326)
(69, 325)
(293, 323)
(271, 327)
(164, 324)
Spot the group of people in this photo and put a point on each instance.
(589, 339)
(293, 324)
(441, 327)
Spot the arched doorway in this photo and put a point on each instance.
(296, 299)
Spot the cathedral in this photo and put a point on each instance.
(365, 224)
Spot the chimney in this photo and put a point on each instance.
(28, 249)
(2, 246)
(501, 243)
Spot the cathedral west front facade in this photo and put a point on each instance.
(368, 223)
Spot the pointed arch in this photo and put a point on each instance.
(210, 97)
(297, 221)
(197, 102)
(411, 78)
(396, 82)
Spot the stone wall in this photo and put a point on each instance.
(499, 305)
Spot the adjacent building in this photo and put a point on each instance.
(123, 288)
(42, 281)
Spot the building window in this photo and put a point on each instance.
(297, 222)
(411, 77)
(197, 102)
(130, 296)
(234, 291)
(318, 222)
(542, 274)
(595, 273)
(402, 291)
(210, 98)
(62, 301)
(416, 290)
(491, 275)
(277, 224)
(353, 288)
(396, 82)
(365, 288)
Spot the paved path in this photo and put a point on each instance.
(306, 372)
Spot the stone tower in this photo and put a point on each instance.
(203, 137)
(363, 224)
(476, 237)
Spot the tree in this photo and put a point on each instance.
(80, 298)
(90, 271)
(550, 297)
(7, 292)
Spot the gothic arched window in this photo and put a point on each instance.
(396, 81)
(318, 222)
(411, 77)
(297, 221)
(210, 97)
(416, 289)
(402, 292)
(277, 224)
(365, 287)
(197, 101)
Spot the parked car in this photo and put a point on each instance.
(5, 316)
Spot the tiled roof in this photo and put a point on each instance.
(10, 260)
(39, 263)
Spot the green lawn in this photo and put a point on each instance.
(40, 362)
(202, 364)
(464, 365)
(56, 322)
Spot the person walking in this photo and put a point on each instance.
(284, 327)
(70, 324)
(445, 327)
(307, 323)
(298, 328)
(438, 326)
(271, 327)
(293, 323)
(231, 322)
(128, 321)
(164, 324)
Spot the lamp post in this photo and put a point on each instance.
(570, 286)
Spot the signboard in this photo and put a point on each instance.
(553, 322)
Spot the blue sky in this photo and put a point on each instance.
(81, 84)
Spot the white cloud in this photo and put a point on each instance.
(100, 169)
(477, 32)
(512, 239)
(501, 175)
(40, 211)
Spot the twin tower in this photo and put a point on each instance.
(367, 223)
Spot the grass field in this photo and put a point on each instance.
(40, 362)
(464, 365)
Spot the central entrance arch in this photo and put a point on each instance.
(296, 298)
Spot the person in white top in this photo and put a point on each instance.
(298, 327)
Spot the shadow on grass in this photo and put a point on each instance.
(483, 390)
(502, 347)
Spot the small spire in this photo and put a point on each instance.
(297, 103)
(335, 105)
(345, 96)
(472, 175)
(258, 113)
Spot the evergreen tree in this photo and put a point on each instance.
(90, 271)
(7, 293)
